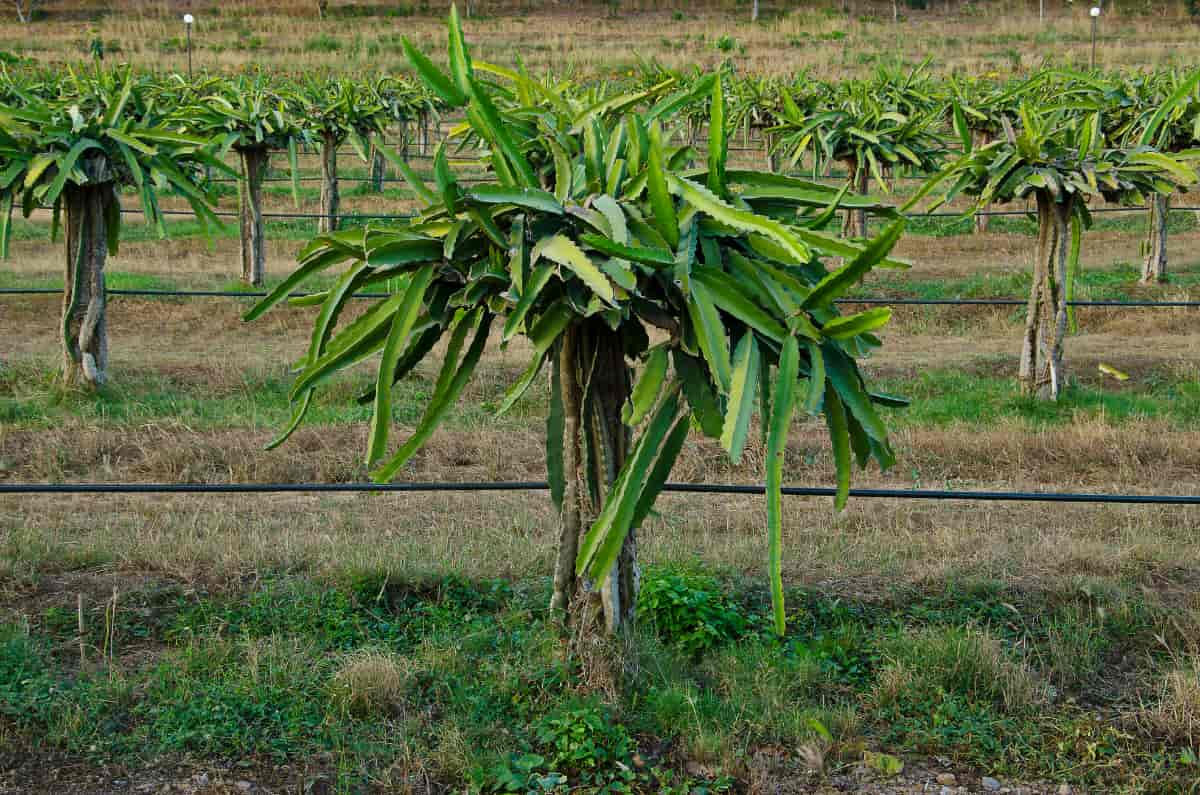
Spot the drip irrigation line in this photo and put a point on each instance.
(1007, 302)
(990, 213)
(865, 301)
(537, 485)
(403, 217)
(301, 216)
(318, 178)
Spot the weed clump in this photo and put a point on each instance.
(370, 682)
(690, 612)
(580, 742)
(1175, 715)
(253, 696)
(26, 688)
(322, 43)
(967, 663)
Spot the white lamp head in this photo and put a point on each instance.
(1095, 12)
(189, 19)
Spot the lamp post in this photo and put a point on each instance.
(188, 19)
(1095, 13)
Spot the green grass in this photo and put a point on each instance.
(939, 397)
(1132, 222)
(1113, 283)
(28, 396)
(947, 396)
(135, 230)
(115, 279)
(467, 682)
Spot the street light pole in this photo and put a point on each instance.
(1095, 13)
(188, 19)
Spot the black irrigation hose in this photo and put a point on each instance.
(536, 485)
(1005, 302)
(868, 301)
(301, 216)
(170, 293)
(988, 213)
(318, 178)
(401, 217)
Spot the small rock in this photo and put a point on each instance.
(947, 779)
(1064, 789)
(990, 784)
(244, 786)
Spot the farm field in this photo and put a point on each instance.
(964, 38)
(402, 642)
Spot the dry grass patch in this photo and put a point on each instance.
(282, 33)
(936, 337)
(1088, 453)
(962, 256)
(370, 682)
(1175, 715)
(872, 548)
